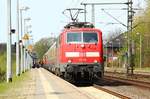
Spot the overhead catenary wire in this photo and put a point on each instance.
(114, 18)
(121, 9)
(108, 23)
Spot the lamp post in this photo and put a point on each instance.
(17, 42)
(140, 49)
(25, 43)
(27, 29)
(22, 63)
(125, 45)
(25, 26)
(21, 10)
(112, 53)
(9, 65)
(107, 45)
(29, 50)
(118, 50)
(106, 54)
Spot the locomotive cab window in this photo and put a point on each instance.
(90, 37)
(74, 37)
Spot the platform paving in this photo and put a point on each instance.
(44, 85)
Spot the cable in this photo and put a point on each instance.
(114, 18)
(83, 1)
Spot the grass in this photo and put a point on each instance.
(3, 65)
(145, 69)
(4, 86)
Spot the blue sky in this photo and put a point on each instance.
(47, 17)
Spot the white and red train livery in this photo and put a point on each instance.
(77, 53)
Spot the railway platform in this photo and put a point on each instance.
(44, 85)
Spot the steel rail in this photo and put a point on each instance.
(128, 81)
(111, 92)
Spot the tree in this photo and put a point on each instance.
(141, 27)
(42, 46)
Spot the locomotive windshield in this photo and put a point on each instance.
(84, 37)
(90, 37)
(73, 37)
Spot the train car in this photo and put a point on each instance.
(49, 58)
(77, 53)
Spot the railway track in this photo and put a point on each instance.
(128, 81)
(137, 74)
(110, 92)
(118, 89)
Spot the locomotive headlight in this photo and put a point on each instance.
(69, 61)
(82, 46)
(95, 61)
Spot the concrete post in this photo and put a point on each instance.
(9, 64)
(17, 42)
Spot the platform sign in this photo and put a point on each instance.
(26, 37)
(30, 47)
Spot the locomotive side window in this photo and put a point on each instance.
(90, 37)
(74, 37)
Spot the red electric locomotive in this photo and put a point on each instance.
(78, 53)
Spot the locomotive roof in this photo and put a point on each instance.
(80, 29)
(79, 25)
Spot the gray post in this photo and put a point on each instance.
(118, 40)
(9, 65)
(85, 12)
(130, 39)
(93, 14)
(27, 60)
(24, 50)
(140, 51)
(119, 55)
(106, 54)
(112, 54)
(17, 42)
(24, 46)
(22, 67)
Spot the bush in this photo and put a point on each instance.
(2, 75)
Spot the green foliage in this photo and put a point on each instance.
(2, 65)
(3, 60)
(15, 84)
(142, 26)
(42, 46)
